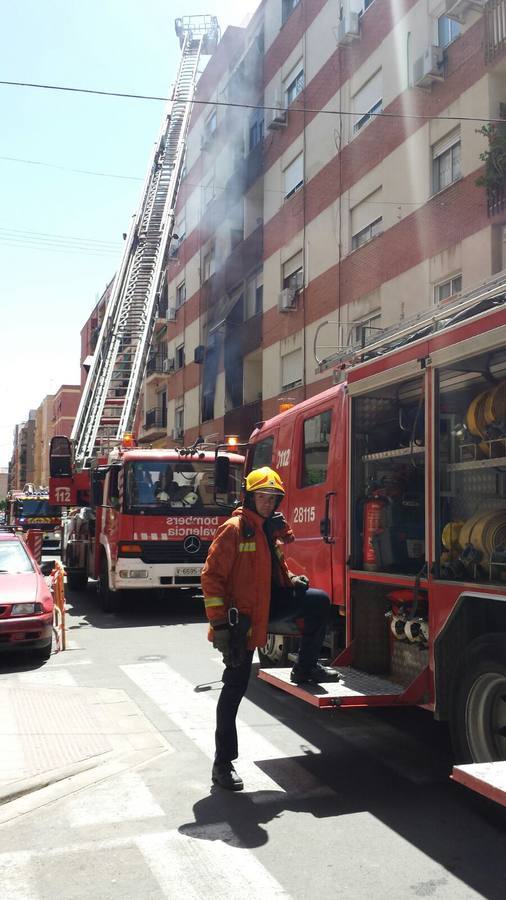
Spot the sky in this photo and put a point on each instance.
(61, 229)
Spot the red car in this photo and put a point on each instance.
(26, 602)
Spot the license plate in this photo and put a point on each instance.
(187, 571)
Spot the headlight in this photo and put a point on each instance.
(133, 573)
(23, 609)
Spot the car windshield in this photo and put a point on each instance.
(177, 486)
(14, 558)
(28, 508)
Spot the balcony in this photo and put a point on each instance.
(156, 365)
(155, 421)
(243, 419)
(495, 28)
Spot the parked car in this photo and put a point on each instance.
(26, 602)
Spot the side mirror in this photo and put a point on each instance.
(221, 474)
(48, 566)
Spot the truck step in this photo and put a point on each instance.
(351, 689)
(488, 779)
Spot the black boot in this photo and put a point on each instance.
(225, 775)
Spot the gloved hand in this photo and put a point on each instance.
(300, 582)
(221, 639)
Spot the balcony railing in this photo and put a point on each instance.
(155, 365)
(155, 418)
(495, 28)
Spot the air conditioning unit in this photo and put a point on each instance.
(177, 434)
(171, 313)
(168, 365)
(174, 248)
(278, 117)
(287, 300)
(348, 28)
(458, 9)
(429, 67)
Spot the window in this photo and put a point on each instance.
(179, 415)
(294, 175)
(261, 454)
(366, 219)
(208, 190)
(366, 234)
(180, 229)
(291, 369)
(256, 128)
(446, 162)
(447, 31)
(180, 294)
(210, 127)
(179, 357)
(293, 272)
(315, 454)
(365, 330)
(294, 84)
(448, 288)
(367, 101)
(254, 295)
(208, 264)
(287, 9)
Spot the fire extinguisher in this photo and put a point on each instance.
(374, 507)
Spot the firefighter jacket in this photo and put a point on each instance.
(238, 572)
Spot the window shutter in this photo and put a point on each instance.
(294, 174)
(445, 143)
(368, 95)
(291, 367)
(366, 212)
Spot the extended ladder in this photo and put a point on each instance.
(111, 393)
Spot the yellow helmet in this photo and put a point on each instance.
(266, 480)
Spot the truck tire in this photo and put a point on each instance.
(110, 601)
(275, 651)
(478, 702)
(77, 581)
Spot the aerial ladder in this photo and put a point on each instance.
(111, 393)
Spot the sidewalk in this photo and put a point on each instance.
(66, 738)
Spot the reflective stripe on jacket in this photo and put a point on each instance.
(238, 571)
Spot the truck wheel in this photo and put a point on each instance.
(109, 600)
(77, 581)
(275, 651)
(478, 706)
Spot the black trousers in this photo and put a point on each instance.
(312, 608)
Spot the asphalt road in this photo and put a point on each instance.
(349, 804)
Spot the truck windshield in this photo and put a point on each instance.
(29, 508)
(181, 485)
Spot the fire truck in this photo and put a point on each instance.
(396, 492)
(141, 517)
(30, 509)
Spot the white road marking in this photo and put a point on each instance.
(121, 799)
(216, 866)
(194, 713)
(16, 878)
(48, 675)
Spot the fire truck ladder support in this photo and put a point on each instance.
(109, 401)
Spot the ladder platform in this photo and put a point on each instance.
(351, 689)
(487, 779)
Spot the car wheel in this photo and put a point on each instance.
(478, 707)
(77, 581)
(275, 651)
(110, 601)
(43, 653)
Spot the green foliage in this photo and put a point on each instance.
(494, 156)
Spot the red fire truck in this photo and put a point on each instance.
(141, 518)
(396, 492)
(30, 509)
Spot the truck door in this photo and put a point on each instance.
(314, 445)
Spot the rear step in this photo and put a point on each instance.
(352, 688)
(488, 779)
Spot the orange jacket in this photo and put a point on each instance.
(237, 572)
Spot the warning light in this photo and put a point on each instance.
(128, 439)
(285, 405)
(232, 440)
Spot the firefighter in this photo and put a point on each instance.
(244, 579)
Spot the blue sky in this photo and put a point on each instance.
(60, 230)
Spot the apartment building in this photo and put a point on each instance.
(330, 192)
(43, 435)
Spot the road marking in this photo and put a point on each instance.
(195, 714)
(48, 675)
(121, 799)
(217, 866)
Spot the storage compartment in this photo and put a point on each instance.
(388, 479)
(471, 469)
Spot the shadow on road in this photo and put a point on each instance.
(139, 609)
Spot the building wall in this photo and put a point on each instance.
(382, 231)
(65, 404)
